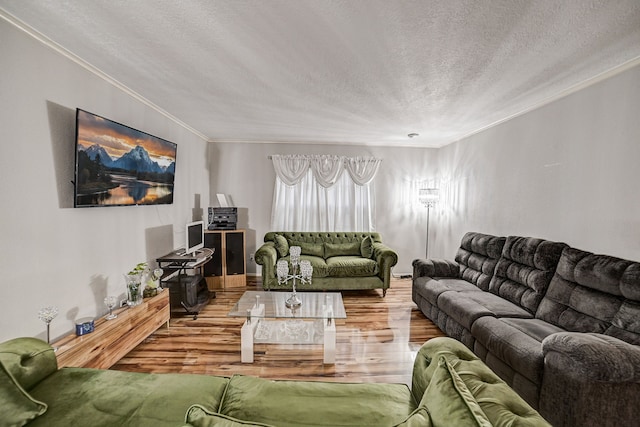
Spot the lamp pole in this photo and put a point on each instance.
(428, 197)
(426, 251)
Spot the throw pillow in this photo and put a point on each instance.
(341, 249)
(366, 247)
(199, 416)
(282, 246)
(18, 408)
(449, 401)
(418, 418)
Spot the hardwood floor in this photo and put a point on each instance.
(376, 343)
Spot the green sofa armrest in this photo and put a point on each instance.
(386, 258)
(29, 360)
(499, 402)
(267, 256)
(435, 268)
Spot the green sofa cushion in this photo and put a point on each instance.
(351, 266)
(18, 408)
(366, 247)
(419, 418)
(449, 401)
(306, 403)
(97, 397)
(29, 360)
(199, 416)
(308, 248)
(341, 249)
(282, 246)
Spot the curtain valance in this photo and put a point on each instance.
(326, 169)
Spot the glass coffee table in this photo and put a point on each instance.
(269, 320)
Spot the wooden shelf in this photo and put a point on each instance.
(113, 339)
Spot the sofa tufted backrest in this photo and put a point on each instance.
(594, 293)
(322, 236)
(477, 257)
(525, 269)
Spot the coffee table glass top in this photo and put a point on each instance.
(315, 305)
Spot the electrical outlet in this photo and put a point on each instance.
(252, 256)
(123, 303)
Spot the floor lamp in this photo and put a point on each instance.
(428, 197)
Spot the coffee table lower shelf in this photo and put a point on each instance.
(288, 331)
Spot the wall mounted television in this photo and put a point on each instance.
(116, 165)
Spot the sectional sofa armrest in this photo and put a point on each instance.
(592, 357)
(598, 374)
(386, 258)
(29, 360)
(435, 268)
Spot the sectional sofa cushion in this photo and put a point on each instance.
(594, 293)
(432, 288)
(317, 403)
(477, 258)
(199, 416)
(524, 270)
(18, 408)
(517, 342)
(83, 396)
(466, 307)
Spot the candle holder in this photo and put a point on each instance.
(47, 314)
(300, 270)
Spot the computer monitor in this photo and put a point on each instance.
(195, 237)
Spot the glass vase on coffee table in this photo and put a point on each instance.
(300, 270)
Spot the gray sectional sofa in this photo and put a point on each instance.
(558, 324)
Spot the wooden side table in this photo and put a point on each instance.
(113, 339)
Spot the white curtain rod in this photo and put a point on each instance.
(270, 157)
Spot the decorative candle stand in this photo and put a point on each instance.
(300, 270)
(47, 314)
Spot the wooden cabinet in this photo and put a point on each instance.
(113, 339)
(227, 267)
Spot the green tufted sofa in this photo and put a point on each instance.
(450, 387)
(340, 260)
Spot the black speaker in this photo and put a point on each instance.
(213, 267)
(235, 252)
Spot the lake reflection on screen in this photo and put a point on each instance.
(130, 191)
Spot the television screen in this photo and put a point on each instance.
(118, 166)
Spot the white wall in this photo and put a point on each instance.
(245, 172)
(51, 253)
(568, 171)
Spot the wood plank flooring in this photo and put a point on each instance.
(376, 343)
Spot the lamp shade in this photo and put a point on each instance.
(428, 196)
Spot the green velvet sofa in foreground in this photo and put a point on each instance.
(450, 387)
(340, 260)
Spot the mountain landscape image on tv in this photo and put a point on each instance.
(117, 165)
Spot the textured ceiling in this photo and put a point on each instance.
(351, 71)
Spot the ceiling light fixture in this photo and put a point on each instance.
(413, 135)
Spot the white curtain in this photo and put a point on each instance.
(313, 194)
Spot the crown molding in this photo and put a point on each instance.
(94, 70)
